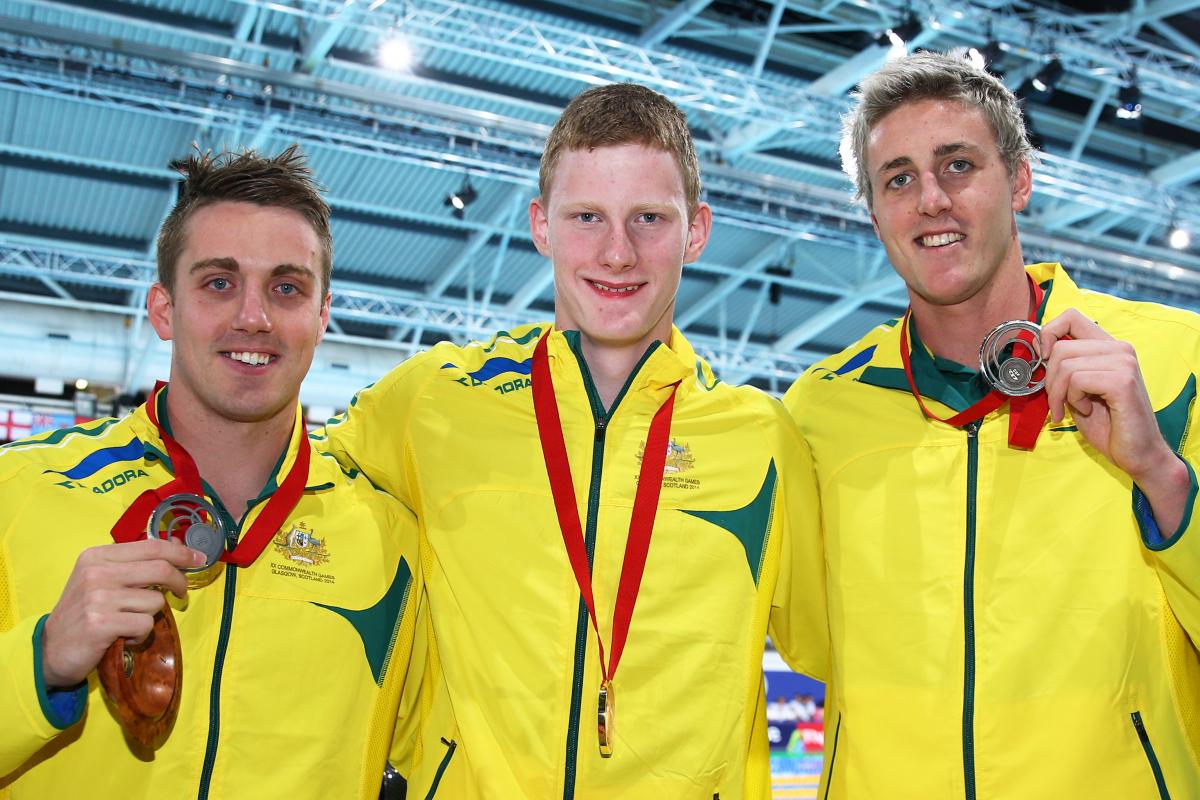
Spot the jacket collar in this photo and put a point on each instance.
(661, 366)
(322, 473)
(884, 367)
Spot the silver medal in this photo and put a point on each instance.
(194, 521)
(1008, 373)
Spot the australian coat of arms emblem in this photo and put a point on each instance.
(301, 546)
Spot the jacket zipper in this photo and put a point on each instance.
(214, 696)
(833, 757)
(451, 745)
(1140, 727)
(968, 716)
(602, 418)
(581, 625)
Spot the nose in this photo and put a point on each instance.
(253, 314)
(619, 251)
(933, 198)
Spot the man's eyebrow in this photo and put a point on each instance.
(902, 161)
(953, 147)
(293, 269)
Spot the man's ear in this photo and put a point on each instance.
(324, 316)
(699, 228)
(539, 226)
(158, 309)
(1022, 186)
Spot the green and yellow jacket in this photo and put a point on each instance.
(509, 691)
(292, 667)
(1004, 623)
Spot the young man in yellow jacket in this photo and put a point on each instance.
(607, 528)
(294, 645)
(1012, 572)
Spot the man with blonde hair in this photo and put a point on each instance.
(1012, 573)
(607, 528)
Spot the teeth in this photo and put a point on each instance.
(941, 239)
(254, 359)
(623, 290)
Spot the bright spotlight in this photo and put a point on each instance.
(1180, 238)
(395, 54)
(1130, 99)
(1048, 76)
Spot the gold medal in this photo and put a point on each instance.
(604, 718)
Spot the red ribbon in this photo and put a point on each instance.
(131, 527)
(645, 504)
(1027, 413)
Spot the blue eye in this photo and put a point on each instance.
(586, 216)
(219, 283)
(959, 165)
(903, 179)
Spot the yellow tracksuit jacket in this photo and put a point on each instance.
(1006, 624)
(292, 667)
(508, 705)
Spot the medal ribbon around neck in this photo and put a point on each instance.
(645, 505)
(132, 525)
(1026, 413)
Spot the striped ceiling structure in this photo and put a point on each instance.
(97, 96)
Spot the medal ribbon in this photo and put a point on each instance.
(1026, 413)
(645, 504)
(132, 525)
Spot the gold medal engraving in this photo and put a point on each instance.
(604, 718)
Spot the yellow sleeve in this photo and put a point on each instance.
(30, 715)
(799, 623)
(399, 677)
(1176, 554)
(371, 435)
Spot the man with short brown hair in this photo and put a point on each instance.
(607, 528)
(293, 646)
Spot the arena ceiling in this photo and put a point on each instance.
(96, 96)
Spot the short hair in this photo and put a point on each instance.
(282, 181)
(926, 76)
(623, 113)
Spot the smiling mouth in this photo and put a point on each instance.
(616, 289)
(250, 357)
(941, 239)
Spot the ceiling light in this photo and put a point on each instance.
(898, 36)
(81, 384)
(395, 54)
(1180, 238)
(988, 56)
(1130, 99)
(1048, 76)
(459, 200)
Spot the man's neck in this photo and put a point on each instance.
(611, 367)
(235, 458)
(955, 332)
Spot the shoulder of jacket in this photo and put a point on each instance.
(64, 447)
(470, 364)
(851, 360)
(1118, 312)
